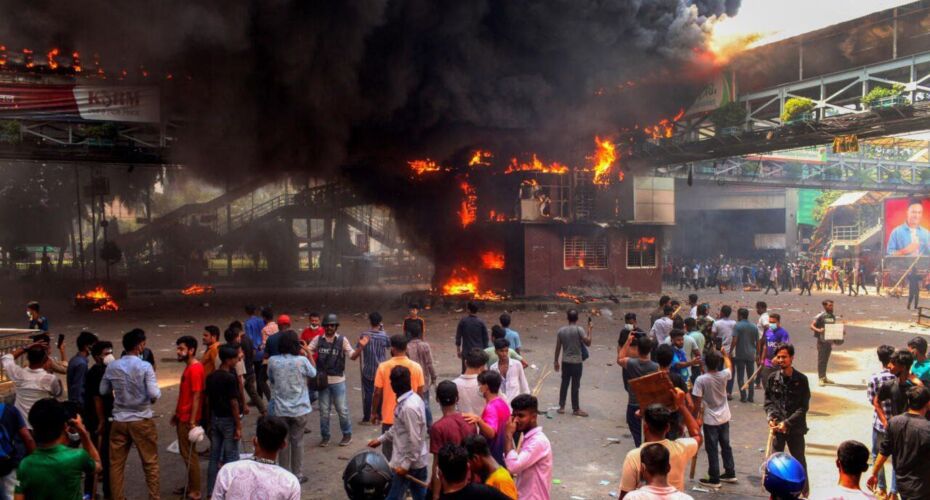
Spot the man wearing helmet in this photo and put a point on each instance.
(331, 350)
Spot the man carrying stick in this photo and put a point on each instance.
(787, 399)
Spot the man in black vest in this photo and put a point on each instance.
(332, 350)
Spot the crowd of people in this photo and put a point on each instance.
(484, 441)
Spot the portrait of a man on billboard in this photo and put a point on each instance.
(910, 238)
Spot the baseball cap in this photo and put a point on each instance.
(284, 319)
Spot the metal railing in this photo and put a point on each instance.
(10, 340)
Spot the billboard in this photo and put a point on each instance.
(80, 102)
(907, 227)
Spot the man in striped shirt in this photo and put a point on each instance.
(373, 346)
(878, 430)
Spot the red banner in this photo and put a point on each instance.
(80, 102)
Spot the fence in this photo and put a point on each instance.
(10, 340)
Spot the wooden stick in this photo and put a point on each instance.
(768, 452)
(753, 377)
(536, 389)
(417, 481)
(700, 424)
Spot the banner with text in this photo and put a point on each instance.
(80, 102)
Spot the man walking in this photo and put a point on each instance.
(787, 399)
(772, 281)
(470, 400)
(711, 389)
(135, 390)
(824, 347)
(289, 374)
(450, 428)
(773, 336)
(570, 339)
(470, 333)
(253, 330)
(532, 463)
(222, 403)
(408, 435)
(373, 346)
(907, 442)
(744, 351)
(331, 350)
(419, 352)
(187, 411)
(913, 287)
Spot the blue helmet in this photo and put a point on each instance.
(784, 476)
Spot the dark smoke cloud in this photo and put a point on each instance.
(359, 87)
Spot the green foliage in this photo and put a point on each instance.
(795, 107)
(731, 114)
(823, 203)
(881, 93)
(9, 132)
(103, 131)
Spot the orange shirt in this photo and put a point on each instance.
(383, 382)
(210, 358)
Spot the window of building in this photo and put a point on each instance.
(584, 252)
(641, 252)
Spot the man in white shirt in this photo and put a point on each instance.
(259, 477)
(852, 459)
(711, 387)
(470, 399)
(663, 326)
(656, 422)
(511, 372)
(723, 330)
(32, 383)
(655, 469)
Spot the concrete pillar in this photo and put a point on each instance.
(791, 222)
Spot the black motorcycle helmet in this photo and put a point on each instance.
(367, 477)
(331, 319)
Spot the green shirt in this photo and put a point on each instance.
(698, 339)
(921, 369)
(66, 466)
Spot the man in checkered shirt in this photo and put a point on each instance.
(878, 430)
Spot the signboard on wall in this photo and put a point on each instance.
(907, 227)
(80, 102)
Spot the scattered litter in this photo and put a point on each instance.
(613, 494)
(534, 367)
(576, 497)
(357, 388)
(162, 326)
(604, 482)
(556, 481)
(613, 440)
(698, 488)
(761, 450)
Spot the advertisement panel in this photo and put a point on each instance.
(80, 102)
(907, 227)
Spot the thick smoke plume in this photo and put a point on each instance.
(357, 88)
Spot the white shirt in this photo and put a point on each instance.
(515, 383)
(724, 330)
(841, 493)
(763, 322)
(694, 312)
(658, 493)
(680, 453)
(31, 385)
(248, 479)
(661, 328)
(470, 400)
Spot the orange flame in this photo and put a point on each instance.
(493, 216)
(468, 210)
(421, 167)
(492, 260)
(604, 157)
(482, 158)
(76, 61)
(52, 61)
(198, 289)
(101, 299)
(535, 165)
(665, 128)
(27, 56)
(464, 282)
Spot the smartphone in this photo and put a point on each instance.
(61, 339)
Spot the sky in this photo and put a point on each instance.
(779, 19)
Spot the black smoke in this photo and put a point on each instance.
(356, 88)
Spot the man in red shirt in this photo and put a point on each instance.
(187, 412)
(451, 428)
(312, 331)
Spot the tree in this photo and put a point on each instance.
(823, 202)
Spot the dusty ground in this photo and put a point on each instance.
(586, 462)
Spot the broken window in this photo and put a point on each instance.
(641, 252)
(584, 252)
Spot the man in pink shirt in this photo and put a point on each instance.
(493, 421)
(532, 462)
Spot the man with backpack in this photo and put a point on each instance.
(331, 350)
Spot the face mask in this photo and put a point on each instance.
(773, 326)
(628, 327)
(74, 437)
(109, 358)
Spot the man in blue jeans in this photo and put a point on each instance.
(331, 350)
(224, 413)
(408, 435)
(885, 352)
(635, 367)
(374, 347)
(744, 349)
(711, 388)
(289, 373)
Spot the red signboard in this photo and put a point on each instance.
(907, 227)
(80, 102)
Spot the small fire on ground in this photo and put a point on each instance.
(198, 289)
(98, 298)
(578, 299)
(464, 282)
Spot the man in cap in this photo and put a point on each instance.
(331, 350)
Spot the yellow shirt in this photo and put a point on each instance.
(502, 481)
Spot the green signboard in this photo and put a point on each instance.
(807, 201)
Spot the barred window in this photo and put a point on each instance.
(641, 252)
(584, 252)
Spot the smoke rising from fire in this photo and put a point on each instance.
(360, 88)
